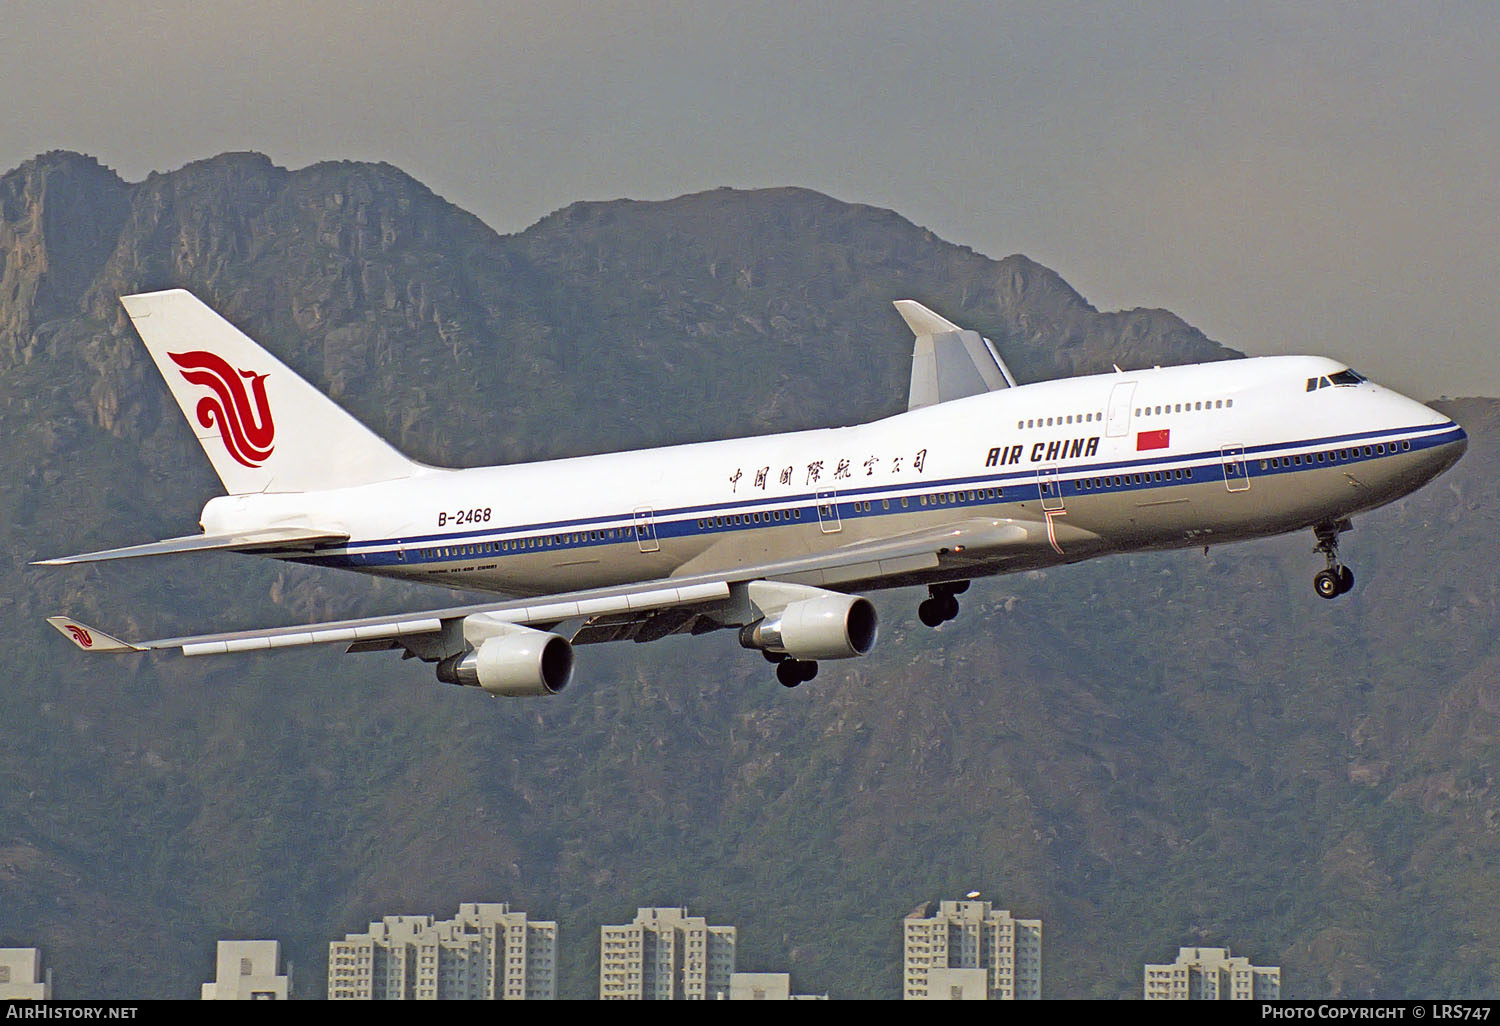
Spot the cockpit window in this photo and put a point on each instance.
(1343, 377)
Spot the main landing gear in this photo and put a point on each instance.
(791, 672)
(941, 604)
(1337, 578)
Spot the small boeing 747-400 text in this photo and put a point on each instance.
(775, 536)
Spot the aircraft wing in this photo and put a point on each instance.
(605, 614)
(278, 538)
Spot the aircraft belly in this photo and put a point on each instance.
(1207, 512)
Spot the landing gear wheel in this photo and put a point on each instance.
(791, 672)
(1337, 578)
(940, 606)
(772, 657)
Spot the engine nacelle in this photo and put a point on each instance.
(516, 661)
(830, 626)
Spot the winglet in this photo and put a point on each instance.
(88, 638)
(921, 320)
(948, 362)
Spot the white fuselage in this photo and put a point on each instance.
(1115, 462)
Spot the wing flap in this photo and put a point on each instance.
(273, 538)
(864, 571)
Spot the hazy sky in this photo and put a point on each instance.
(1316, 177)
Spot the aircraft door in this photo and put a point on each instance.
(1236, 474)
(1118, 424)
(1051, 489)
(645, 529)
(828, 512)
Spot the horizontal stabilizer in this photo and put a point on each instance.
(949, 362)
(272, 538)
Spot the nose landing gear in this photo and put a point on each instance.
(941, 604)
(1337, 578)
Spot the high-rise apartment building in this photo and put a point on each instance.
(766, 987)
(665, 955)
(247, 970)
(21, 975)
(971, 935)
(1210, 974)
(486, 953)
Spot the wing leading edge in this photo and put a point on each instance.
(713, 592)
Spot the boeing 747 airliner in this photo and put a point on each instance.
(773, 536)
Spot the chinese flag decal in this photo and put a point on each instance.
(1153, 439)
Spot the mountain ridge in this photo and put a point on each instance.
(1143, 751)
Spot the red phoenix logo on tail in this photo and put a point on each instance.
(80, 635)
(242, 416)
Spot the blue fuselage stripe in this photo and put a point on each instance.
(848, 504)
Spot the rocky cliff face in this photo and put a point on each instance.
(366, 281)
(60, 215)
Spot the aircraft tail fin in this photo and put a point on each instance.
(949, 362)
(263, 428)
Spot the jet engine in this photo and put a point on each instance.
(515, 661)
(830, 626)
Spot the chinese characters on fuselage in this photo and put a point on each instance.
(813, 472)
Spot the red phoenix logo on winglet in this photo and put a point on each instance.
(242, 416)
(80, 635)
